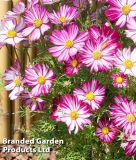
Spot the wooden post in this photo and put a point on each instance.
(5, 5)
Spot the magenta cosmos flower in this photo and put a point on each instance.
(123, 114)
(91, 93)
(72, 65)
(36, 21)
(126, 62)
(13, 81)
(121, 11)
(110, 36)
(75, 113)
(56, 113)
(119, 80)
(129, 145)
(131, 31)
(106, 131)
(64, 16)
(11, 32)
(67, 42)
(40, 77)
(34, 103)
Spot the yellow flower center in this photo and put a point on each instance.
(37, 23)
(11, 33)
(62, 19)
(90, 96)
(105, 130)
(17, 82)
(68, 44)
(41, 79)
(119, 79)
(130, 117)
(104, 45)
(97, 55)
(74, 63)
(126, 9)
(128, 63)
(73, 115)
(33, 99)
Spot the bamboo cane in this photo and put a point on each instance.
(17, 121)
(4, 100)
(28, 60)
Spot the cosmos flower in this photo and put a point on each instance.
(34, 103)
(106, 131)
(125, 61)
(98, 55)
(13, 81)
(40, 77)
(131, 31)
(64, 16)
(129, 145)
(80, 4)
(67, 42)
(91, 93)
(36, 21)
(123, 114)
(119, 80)
(17, 11)
(72, 65)
(50, 1)
(110, 36)
(56, 113)
(121, 11)
(75, 113)
(11, 32)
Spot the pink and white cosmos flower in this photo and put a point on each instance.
(119, 80)
(91, 93)
(17, 11)
(40, 77)
(64, 16)
(106, 131)
(123, 114)
(75, 113)
(67, 42)
(131, 31)
(36, 21)
(72, 65)
(11, 33)
(13, 81)
(34, 103)
(125, 61)
(98, 55)
(129, 145)
(121, 11)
